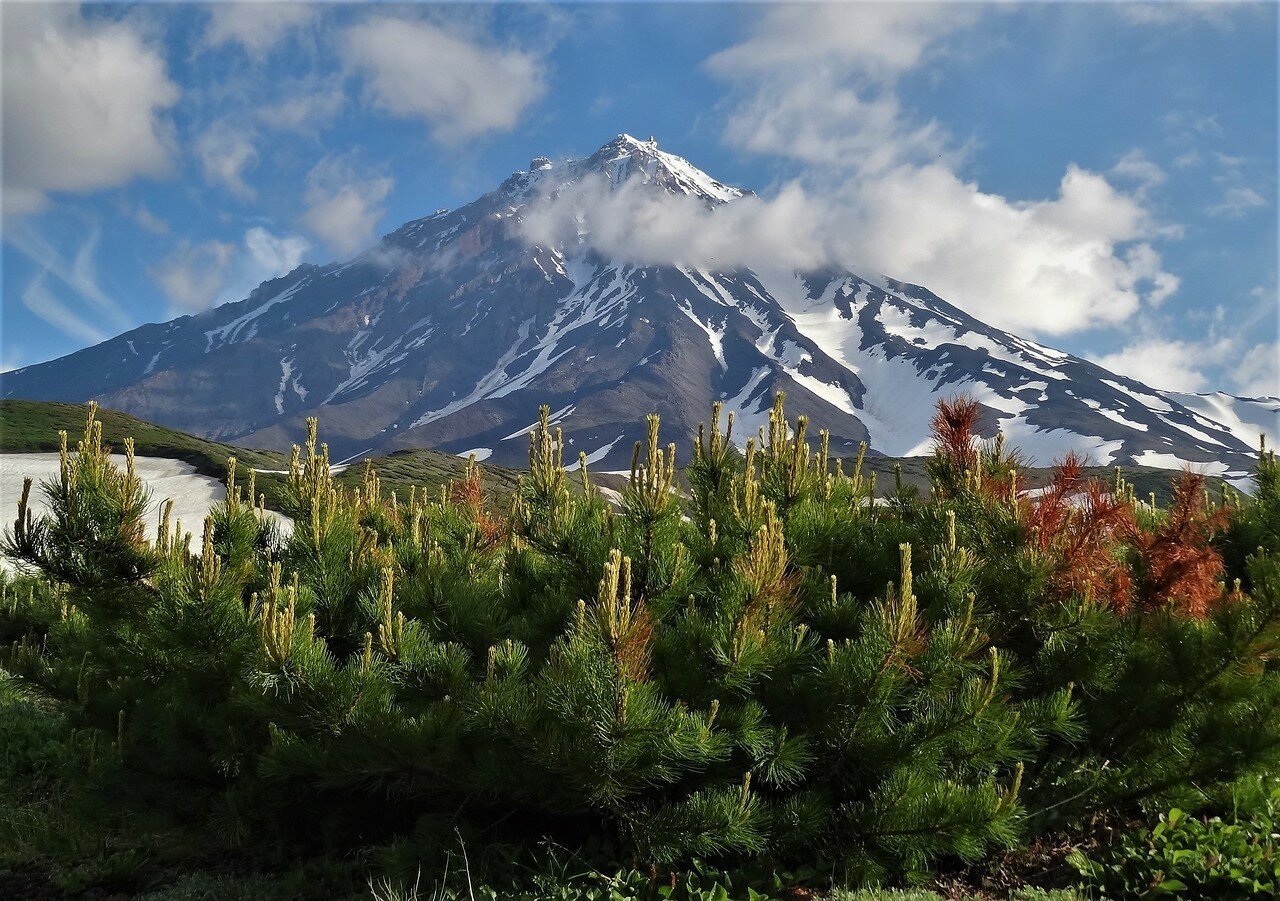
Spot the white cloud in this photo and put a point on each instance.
(1180, 12)
(461, 88)
(1237, 200)
(1258, 372)
(1182, 122)
(1136, 167)
(815, 82)
(344, 206)
(307, 105)
(262, 256)
(13, 356)
(883, 190)
(1169, 364)
(84, 104)
(878, 40)
(1053, 266)
(150, 221)
(259, 27)
(225, 153)
(274, 255)
(83, 311)
(1050, 266)
(650, 227)
(193, 275)
(1176, 365)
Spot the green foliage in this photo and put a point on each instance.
(777, 668)
(1256, 524)
(1199, 857)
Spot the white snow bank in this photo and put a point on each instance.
(192, 494)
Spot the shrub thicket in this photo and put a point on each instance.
(760, 661)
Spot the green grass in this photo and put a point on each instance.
(430, 469)
(32, 427)
(28, 426)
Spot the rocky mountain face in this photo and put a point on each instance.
(453, 329)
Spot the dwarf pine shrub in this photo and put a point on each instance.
(757, 660)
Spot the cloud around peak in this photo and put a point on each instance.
(882, 190)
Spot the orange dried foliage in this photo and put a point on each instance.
(633, 649)
(1080, 524)
(954, 423)
(995, 471)
(1177, 562)
(468, 492)
(1085, 529)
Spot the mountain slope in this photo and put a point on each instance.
(453, 329)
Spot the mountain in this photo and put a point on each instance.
(453, 329)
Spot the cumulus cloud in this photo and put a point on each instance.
(998, 258)
(258, 27)
(1258, 372)
(84, 104)
(1168, 364)
(1176, 365)
(226, 153)
(1050, 266)
(883, 193)
(194, 274)
(815, 82)
(459, 87)
(344, 205)
(195, 277)
(1135, 166)
(274, 255)
(878, 40)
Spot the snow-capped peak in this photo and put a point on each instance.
(623, 160)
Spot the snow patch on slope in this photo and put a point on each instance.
(1245, 418)
(234, 330)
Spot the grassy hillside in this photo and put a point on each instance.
(28, 426)
(1145, 479)
(32, 427)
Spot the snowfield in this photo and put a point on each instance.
(192, 494)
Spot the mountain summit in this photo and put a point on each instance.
(624, 160)
(451, 331)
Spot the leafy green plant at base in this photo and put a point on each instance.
(1199, 857)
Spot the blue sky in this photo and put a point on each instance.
(1099, 176)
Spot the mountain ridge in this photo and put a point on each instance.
(454, 327)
